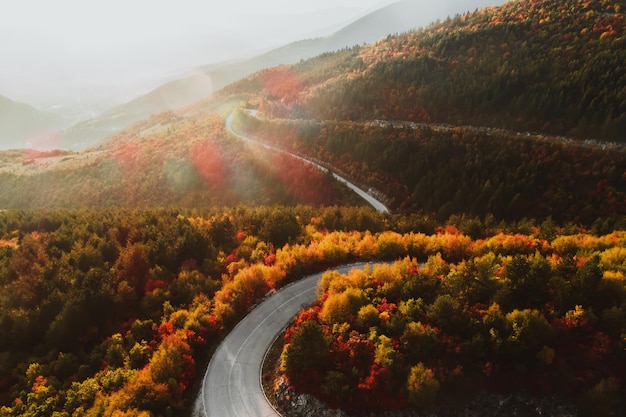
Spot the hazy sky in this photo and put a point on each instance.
(58, 45)
(60, 48)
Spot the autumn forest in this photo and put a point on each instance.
(496, 139)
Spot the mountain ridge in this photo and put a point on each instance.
(23, 125)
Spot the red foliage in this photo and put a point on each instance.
(386, 306)
(166, 329)
(208, 161)
(153, 284)
(282, 83)
(233, 257)
(270, 259)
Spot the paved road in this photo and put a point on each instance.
(362, 193)
(232, 383)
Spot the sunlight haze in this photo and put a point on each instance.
(102, 53)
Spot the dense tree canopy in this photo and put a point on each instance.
(548, 66)
(114, 310)
(429, 330)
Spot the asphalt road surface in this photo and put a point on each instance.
(232, 384)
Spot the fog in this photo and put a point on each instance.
(96, 54)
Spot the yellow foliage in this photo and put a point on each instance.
(336, 309)
(368, 316)
(614, 259)
(422, 387)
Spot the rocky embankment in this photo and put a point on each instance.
(291, 404)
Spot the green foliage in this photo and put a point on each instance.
(543, 67)
(306, 352)
(422, 387)
(462, 170)
(529, 331)
(448, 314)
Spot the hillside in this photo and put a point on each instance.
(170, 96)
(441, 131)
(23, 126)
(165, 161)
(394, 18)
(419, 162)
(544, 66)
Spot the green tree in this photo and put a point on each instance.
(530, 331)
(306, 352)
(448, 314)
(422, 387)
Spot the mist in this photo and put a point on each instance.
(80, 58)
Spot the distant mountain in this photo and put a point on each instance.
(400, 17)
(172, 95)
(395, 18)
(23, 126)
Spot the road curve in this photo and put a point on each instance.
(362, 193)
(232, 384)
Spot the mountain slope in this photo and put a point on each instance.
(165, 161)
(468, 115)
(549, 66)
(337, 104)
(23, 126)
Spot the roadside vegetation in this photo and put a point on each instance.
(509, 313)
(113, 312)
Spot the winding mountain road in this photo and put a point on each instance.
(232, 385)
(362, 193)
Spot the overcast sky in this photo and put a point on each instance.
(52, 48)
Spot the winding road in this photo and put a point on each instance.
(232, 385)
(362, 193)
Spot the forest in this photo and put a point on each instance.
(538, 317)
(447, 170)
(550, 66)
(496, 138)
(115, 312)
